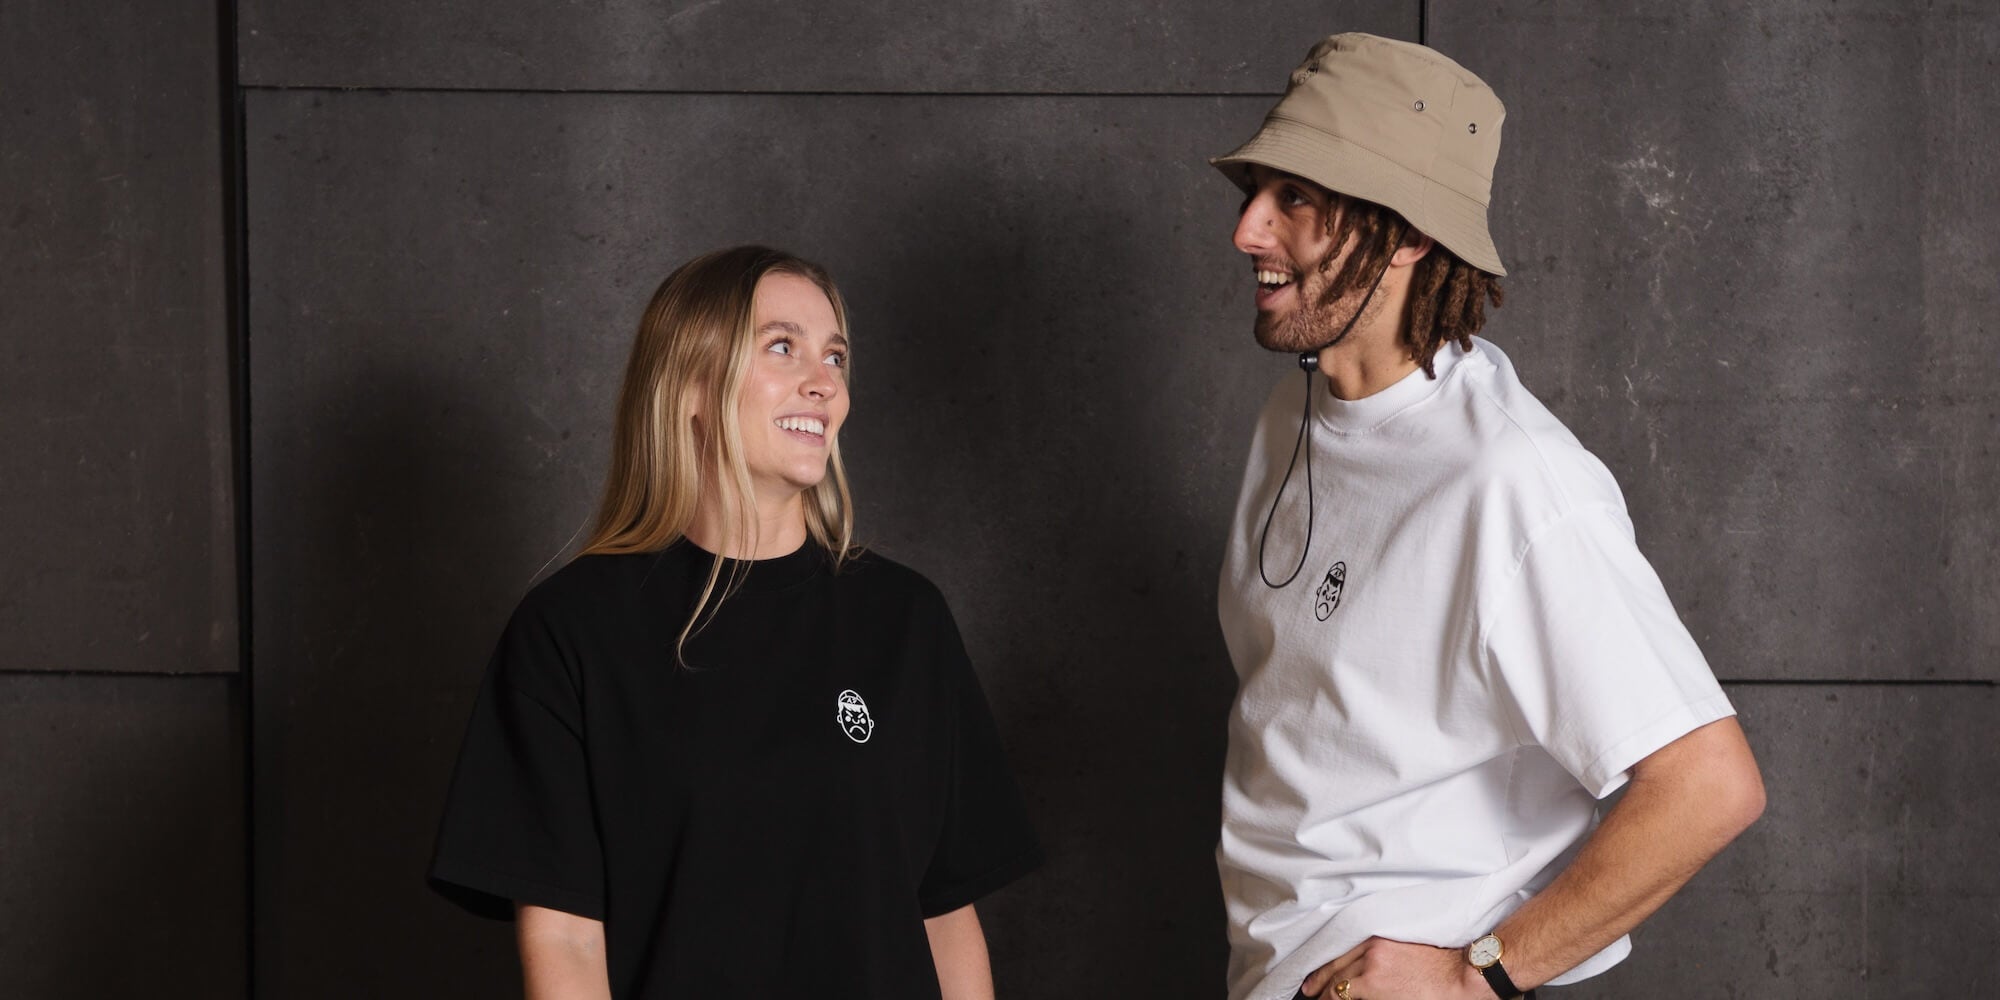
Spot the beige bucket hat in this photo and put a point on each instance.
(1394, 123)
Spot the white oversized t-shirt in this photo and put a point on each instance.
(1473, 653)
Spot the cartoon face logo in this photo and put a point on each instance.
(1327, 597)
(852, 714)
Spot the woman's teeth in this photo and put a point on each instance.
(806, 424)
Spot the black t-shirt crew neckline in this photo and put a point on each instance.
(759, 576)
(780, 814)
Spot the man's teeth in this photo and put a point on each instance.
(1273, 278)
(807, 424)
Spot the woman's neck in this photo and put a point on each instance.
(779, 528)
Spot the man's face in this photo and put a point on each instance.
(1285, 229)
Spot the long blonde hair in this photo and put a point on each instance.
(695, 344)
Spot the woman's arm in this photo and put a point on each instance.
(562, 954)
(958, 947)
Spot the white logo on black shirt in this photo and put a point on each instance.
(852, 714)
(1327, 597)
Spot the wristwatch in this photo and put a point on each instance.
(1484, 954)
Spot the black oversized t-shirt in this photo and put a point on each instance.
(778, 817)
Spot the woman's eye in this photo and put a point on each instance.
(837, 359)
(780, 347)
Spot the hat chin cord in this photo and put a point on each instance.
(1309, 362)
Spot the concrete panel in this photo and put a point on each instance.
(1752, 265)
(121, 837)
(1129, 46)
(116, 527)
(1054, 383)
(1872, 872)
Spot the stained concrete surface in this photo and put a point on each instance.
(1752, 267)
(1871, 872)
(771, 45)
(121, 837)
(117, 548)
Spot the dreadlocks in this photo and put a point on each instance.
(1447, 295)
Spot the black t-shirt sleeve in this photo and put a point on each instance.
(986, 840)
(518, 824)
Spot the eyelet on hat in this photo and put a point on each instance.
(1420, 105)
(1472, 127)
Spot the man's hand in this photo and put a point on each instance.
(1381, 969)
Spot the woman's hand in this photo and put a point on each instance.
(1381, 969)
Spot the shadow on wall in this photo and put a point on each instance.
(1006, 450)
(417, 534)
(124, 822)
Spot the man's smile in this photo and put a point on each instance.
(1272, 283)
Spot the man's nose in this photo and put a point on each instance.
(1253, 227)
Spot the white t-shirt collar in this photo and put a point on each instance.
(1356, 416)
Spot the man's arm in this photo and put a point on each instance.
(958, 946)
(1684, 804)
(562, 955)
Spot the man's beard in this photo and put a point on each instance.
(1318, 321)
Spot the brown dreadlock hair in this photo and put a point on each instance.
(1447, 295)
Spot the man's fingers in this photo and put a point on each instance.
(1316, 984)
(1354, 954)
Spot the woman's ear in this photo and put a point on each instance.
(694, 403)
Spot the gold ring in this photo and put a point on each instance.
(1340, 989)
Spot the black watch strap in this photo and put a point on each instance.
(1496, 977)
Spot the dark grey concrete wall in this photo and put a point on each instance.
(1039, 46)
(121, 837)
(1751, 261)
(1753, 265)
(1052, 387)
(122, 826)
(117, 531)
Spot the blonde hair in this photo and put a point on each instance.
(694, 345)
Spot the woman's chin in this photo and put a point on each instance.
(796, 483)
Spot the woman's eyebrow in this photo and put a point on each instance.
(782, 325)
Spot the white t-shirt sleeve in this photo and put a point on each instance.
(1587, 650)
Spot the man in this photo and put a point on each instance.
(1448, 645)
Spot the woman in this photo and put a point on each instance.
(724, 753)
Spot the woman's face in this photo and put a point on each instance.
(794, 395)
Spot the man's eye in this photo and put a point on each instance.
(1292, 196)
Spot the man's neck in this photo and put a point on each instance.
(1366, 363)
(1373, 356)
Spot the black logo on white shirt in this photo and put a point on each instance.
(1327, 597)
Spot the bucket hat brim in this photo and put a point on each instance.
(1452, 219)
